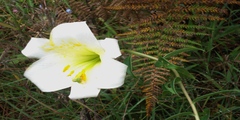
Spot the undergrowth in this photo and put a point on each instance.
(149, 92)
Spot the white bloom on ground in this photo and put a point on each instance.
(73, 57)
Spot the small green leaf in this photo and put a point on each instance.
(170, 86)
(162, 62)
(191, 66)
(229, 76)
(215, 93)
(206, 114)
(66, 2)
(176, 52)
(110, 28)
(177, 116)
(235, 54)
(184, 73)
(128, 62)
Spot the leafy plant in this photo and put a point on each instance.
(164, 27)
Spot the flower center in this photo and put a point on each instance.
(87, 64)
(79, 58)
(82, 60)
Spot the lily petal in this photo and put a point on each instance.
(73, 57)
(79, 91)
(111, 47)
(108, 74)
(47, 74)
(34, 48)
(77, 32)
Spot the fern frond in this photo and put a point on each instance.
(212, 2)
(153, 78)
(161, 27)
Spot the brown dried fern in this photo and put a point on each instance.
(153, 78)
(160, 27)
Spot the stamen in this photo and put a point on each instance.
(71, 73)
(83, 78)
(66, 68)
(80, 77)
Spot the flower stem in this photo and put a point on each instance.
(141, 54)
(179, 83)
(187, 96)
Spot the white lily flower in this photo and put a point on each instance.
(73, 57)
